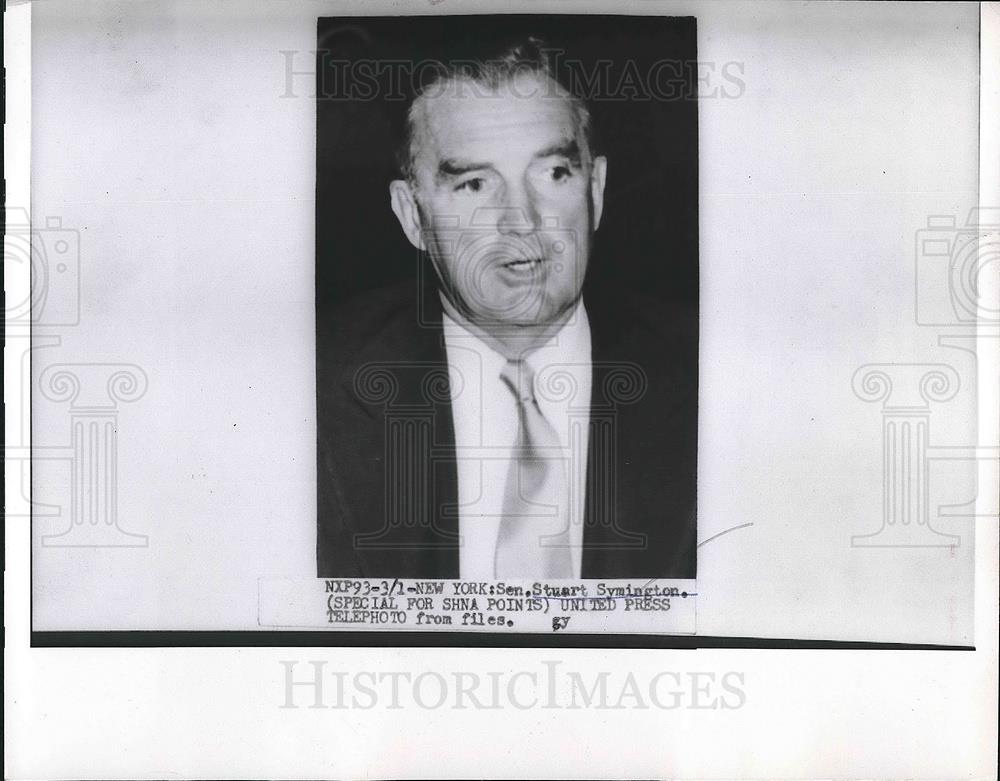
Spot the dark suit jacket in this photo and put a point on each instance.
(387, 478)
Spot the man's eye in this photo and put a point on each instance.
(473, 185)
(560, 172)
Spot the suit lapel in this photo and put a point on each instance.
(404, 451)
(639, 511)
(607, 544)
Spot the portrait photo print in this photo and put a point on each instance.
(531, 389)
(507, 297)
(593, 308)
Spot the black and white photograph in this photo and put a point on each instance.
(446, 388)
(501, 393)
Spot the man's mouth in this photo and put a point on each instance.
(523, 264)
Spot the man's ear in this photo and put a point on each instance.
(404, 206)
(598, 175)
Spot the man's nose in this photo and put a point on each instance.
(518, 214)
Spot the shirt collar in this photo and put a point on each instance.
(569, 345)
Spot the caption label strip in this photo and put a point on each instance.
(398, 604)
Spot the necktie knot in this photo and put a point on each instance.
(520, 378)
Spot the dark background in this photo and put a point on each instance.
(648, 237)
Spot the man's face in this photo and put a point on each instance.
(505, 199)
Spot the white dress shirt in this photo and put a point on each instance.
(485, 418)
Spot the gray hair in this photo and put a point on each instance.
(529, 57)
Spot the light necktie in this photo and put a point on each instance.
(533, 539)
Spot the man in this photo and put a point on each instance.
(499, 419)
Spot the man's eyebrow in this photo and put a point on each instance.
(449, 167)
(567, 148)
